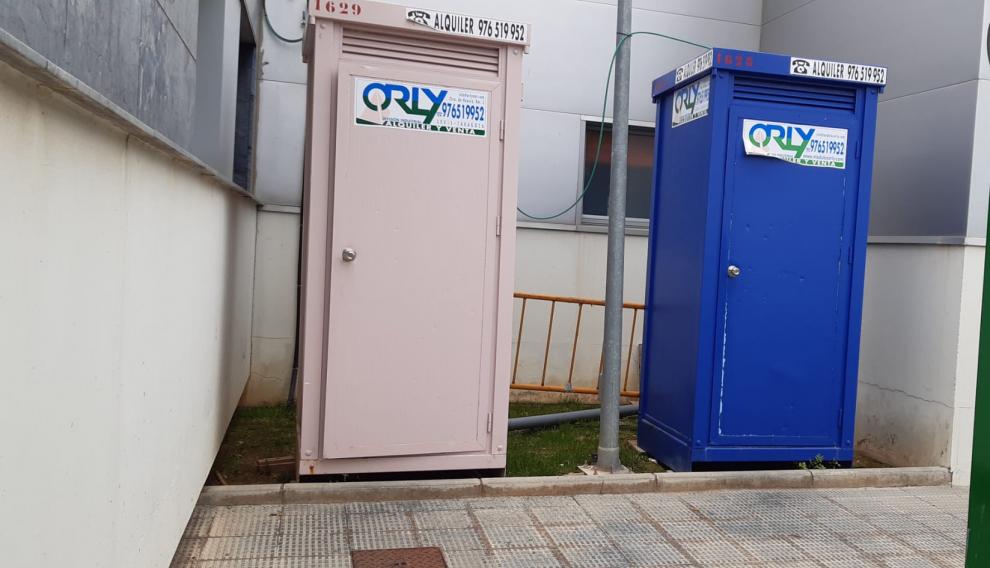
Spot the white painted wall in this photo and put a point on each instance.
(274, 320)
(917, 378)
(572, 263)
(126, 302)
(967, 358)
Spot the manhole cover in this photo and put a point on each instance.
(398, 558)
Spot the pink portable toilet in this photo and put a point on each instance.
(409, 237)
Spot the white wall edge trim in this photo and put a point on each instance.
(28, 61)
(569, 227)
(873, 240)
(294, 209)
(582, 228)
(926, 240)
(608, 120)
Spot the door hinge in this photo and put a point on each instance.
(489, 422)
(498, 226)
(859, 149)
(501, 130)
(849, 256)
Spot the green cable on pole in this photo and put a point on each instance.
(601, 125)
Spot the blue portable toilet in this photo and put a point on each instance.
(757, 254)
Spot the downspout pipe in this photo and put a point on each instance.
(544, 420)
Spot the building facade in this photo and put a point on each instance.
(928, 224)
(929, 206)
(153, 159)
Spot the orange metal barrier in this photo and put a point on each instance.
(569, 386)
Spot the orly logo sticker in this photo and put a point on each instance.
(792, 139)
(379, 96)
(691, 102)
(413, 106)
(801, 144)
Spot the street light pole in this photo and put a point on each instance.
(608, 440)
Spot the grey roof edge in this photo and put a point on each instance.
(20, 56)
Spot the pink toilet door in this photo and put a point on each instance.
(412, 316)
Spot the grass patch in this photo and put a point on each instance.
(256, 433)
(270, 432)
(561, 449)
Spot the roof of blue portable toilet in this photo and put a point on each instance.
(736, 60)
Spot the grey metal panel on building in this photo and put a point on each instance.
(38, 23)
(979, 192)
(129, 52)
(921, 179)
(216, 84)
(746, 12)
(565, 74)
(102, 48)
(773, 9)
(183, 15)
(568, 64)
(926, 182)
(280, 143)
(549, 164)
(924, 44)
(985, 57)
(253, 10)
(167, 77)
(283, 61)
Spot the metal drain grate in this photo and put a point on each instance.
(430, 557)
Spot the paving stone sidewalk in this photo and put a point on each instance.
(853, 528)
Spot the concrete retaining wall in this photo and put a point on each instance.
(126, 309)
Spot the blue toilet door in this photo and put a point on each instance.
(784, 284)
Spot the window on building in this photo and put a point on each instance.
(594, 209)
